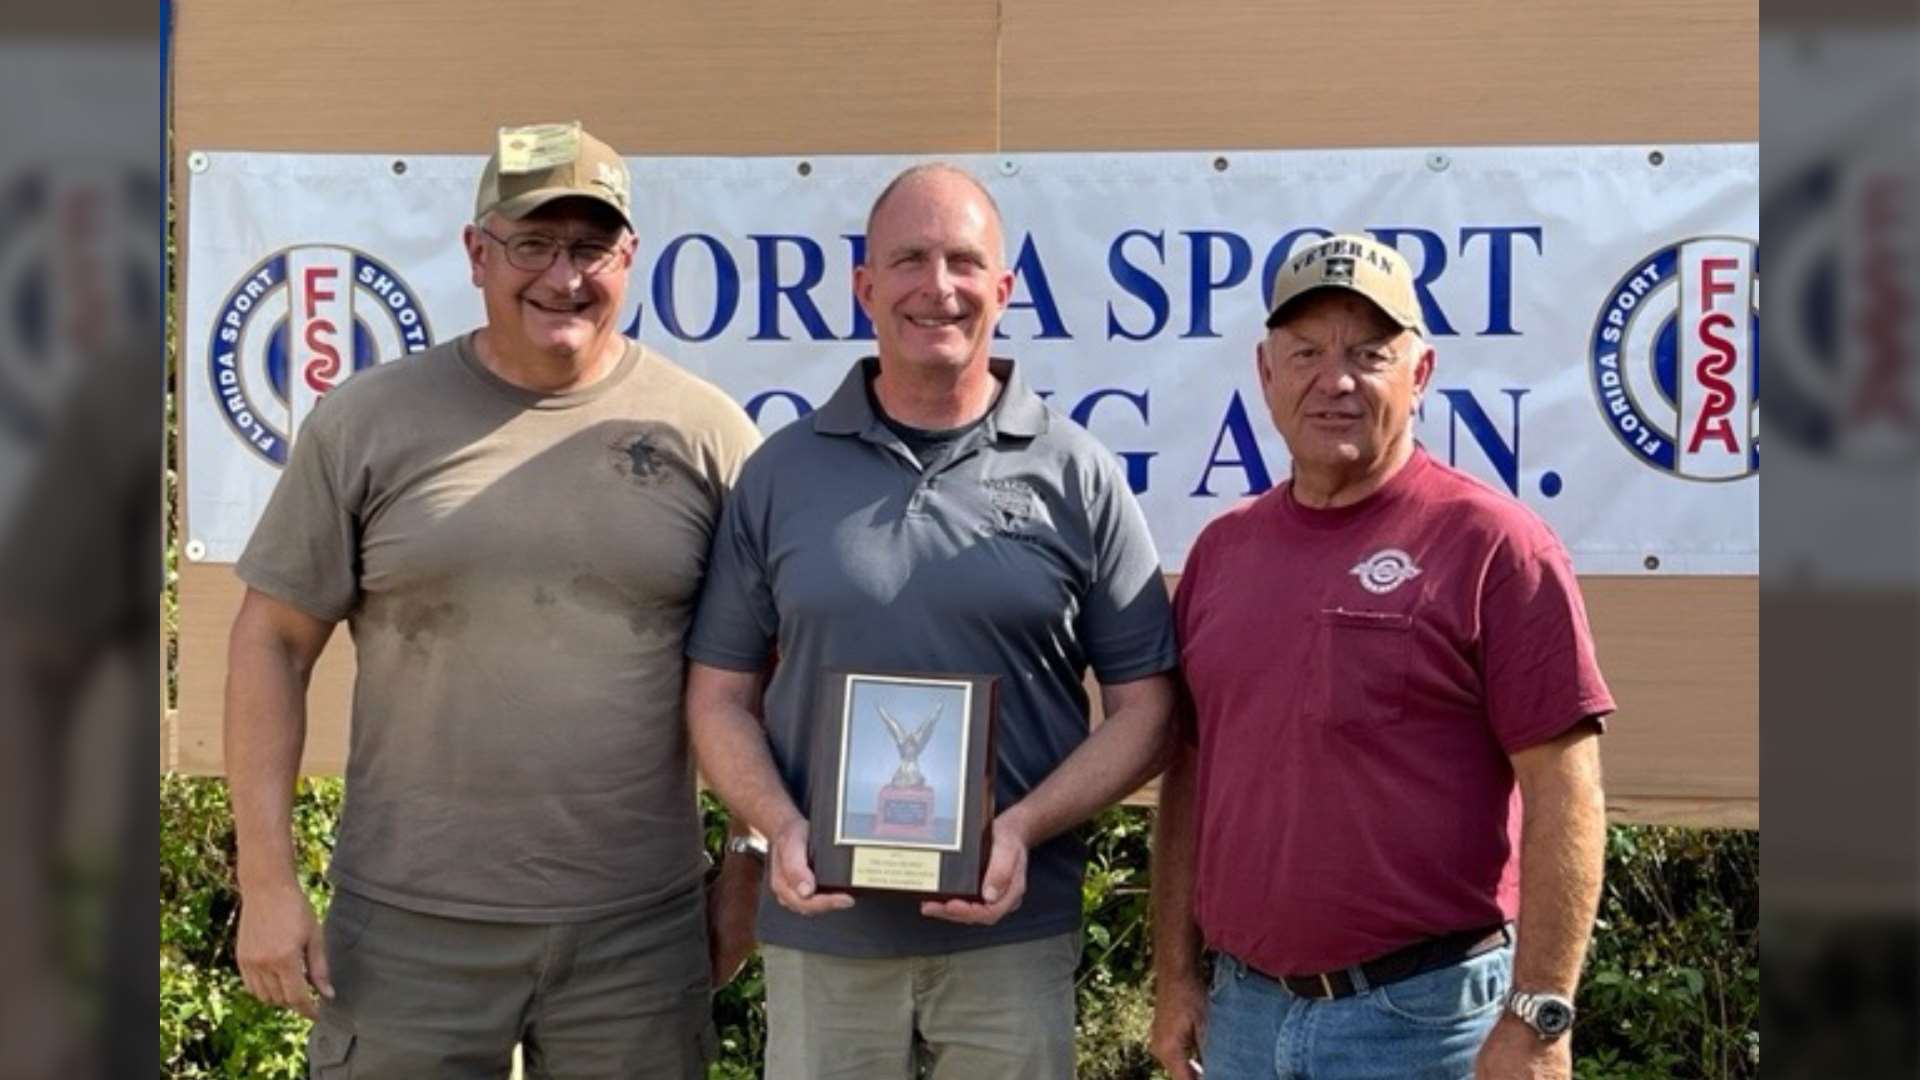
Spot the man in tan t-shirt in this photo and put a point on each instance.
(515, 525)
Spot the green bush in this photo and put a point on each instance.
(209, 1025)
(739, 1009)
(1672, 988)
(1113, 985)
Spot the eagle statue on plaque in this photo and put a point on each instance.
(906, 802)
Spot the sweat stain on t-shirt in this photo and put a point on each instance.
(418, 619)
(596, 593)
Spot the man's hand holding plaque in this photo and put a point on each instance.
(791, 879)
(1005, 884)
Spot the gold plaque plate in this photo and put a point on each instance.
(896, 868)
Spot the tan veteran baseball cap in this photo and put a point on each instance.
(532, 166)
(1349, 261)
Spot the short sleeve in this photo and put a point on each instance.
(735, 438)
(1538, 663)
(737, 624)
(1126, 620)
(305, 549)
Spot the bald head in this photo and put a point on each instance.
(933, 172)
(934, 279)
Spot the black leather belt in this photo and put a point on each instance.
(1416, 959)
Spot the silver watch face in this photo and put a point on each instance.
(1552, 1017)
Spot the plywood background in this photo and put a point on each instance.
(972, 76)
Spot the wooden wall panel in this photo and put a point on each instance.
(1270, 74)
(655, 77)
(209, 599)
(1682, 656)
(907, 76)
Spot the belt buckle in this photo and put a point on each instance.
(1326, 985)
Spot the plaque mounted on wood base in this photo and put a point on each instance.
(902, 782)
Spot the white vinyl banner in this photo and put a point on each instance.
(1595, 312)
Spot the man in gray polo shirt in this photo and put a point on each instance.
(935, 516)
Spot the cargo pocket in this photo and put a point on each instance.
(329, 1051)
(1367, 656)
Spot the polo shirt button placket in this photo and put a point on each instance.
(922, 488)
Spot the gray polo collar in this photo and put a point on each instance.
(1019, 412)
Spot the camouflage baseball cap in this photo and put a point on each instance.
(1353, 262)
(534, 165)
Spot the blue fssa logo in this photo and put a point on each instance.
(300, 321)
(1674, 357)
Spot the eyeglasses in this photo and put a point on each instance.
(534, 252)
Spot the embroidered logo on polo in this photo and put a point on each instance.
(1013, 500)
(1014, 512)
(1385, 570)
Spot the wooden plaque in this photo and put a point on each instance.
(902, 781)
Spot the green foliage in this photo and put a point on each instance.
(209, 1025)
(739, 1008)
(1115, 998)
(1672, 988)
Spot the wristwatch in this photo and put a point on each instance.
(748, 844)
(1549, 1015)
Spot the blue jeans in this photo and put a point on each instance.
(1428, 1027)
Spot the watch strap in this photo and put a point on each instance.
(1528, 1006)
(748, 844)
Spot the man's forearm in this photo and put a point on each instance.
(265, 730)
(1125, 751)
(1562, 855)
(734, 758)
(1176, 937)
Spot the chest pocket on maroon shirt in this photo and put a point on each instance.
(1366, 657)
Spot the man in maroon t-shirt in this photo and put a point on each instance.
(1386, 659)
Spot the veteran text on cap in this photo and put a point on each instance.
(1351, 262)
